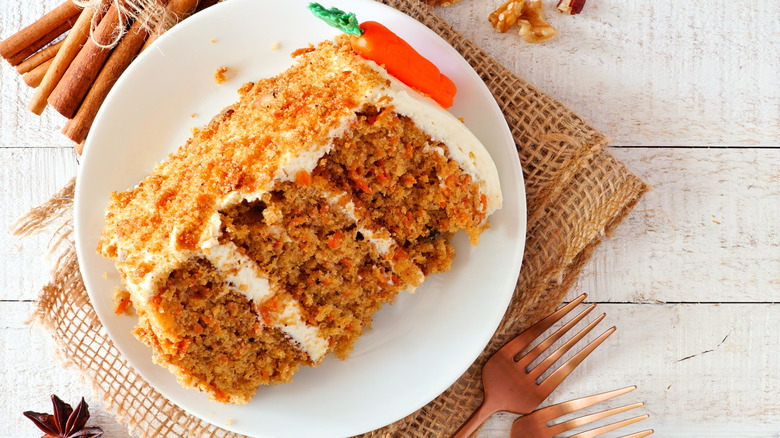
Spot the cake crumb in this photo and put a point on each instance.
(302, 51)
(219, 76)
(193, 115)
(213, 41)
(228, 422)
(122, 303)
(275, 46)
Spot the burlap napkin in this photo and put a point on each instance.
(576, 193)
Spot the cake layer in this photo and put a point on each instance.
(210, 337)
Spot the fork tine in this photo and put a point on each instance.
(549, 360)
(554, 411)
(544, 345)
(609, 427)
(641, 434)
(550, 383)
(533, 332)
(586, 419)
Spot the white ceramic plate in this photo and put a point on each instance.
(418, 346)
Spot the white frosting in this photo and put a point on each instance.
(240, 271)
(163, 266)
(382, 244)
(307, 160)
(308, 337)
(463, 146)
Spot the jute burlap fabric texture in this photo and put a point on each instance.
(576, 194)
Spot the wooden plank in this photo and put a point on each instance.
(18, 126)
(707, 232)
(31, 373)
(29, 177)
(652, 72)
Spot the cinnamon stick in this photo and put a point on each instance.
(79, 148)
(180, 9)
(25, 53)
(39, 58)
(33, 77)
(70, 48)
(78, 78)
(77, 128)
(36, 31)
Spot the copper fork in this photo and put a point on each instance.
(509, 383)
(536, 424)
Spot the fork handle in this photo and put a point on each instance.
(483, 412)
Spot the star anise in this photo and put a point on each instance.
(65, 423)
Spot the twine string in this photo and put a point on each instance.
(152, 15)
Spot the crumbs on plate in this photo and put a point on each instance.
(219, 75)
(122, 303)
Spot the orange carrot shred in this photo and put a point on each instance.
(335, 239)
(303, 178)
(121, 306)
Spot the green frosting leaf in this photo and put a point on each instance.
(343, 21)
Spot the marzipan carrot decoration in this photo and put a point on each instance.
(374, 41)
(382, 46)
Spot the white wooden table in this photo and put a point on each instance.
(689, 93)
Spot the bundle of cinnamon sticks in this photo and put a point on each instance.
(73, 55)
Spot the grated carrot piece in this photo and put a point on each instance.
(409, 151)
(121, 306)
(298, 220)
(303, 178)
(335, 239)
(363, 185)
(184, 345)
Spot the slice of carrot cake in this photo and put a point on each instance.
(272, 236)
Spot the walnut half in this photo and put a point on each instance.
(507, 15)
(533, 26)
(528, 15)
